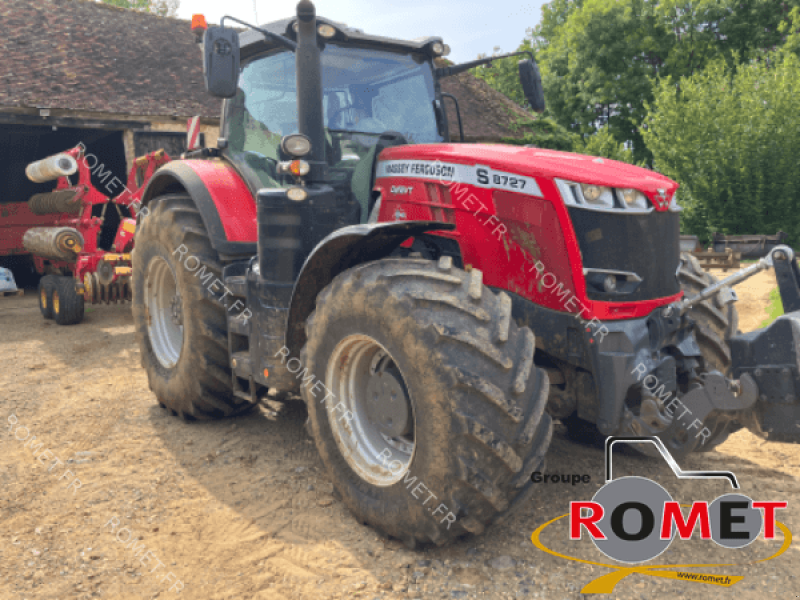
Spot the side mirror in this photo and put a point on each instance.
(531, 82)
(221, 61)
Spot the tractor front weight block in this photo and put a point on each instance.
(770, 356)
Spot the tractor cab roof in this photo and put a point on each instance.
(252, 42)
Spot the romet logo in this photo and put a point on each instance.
(633, 520)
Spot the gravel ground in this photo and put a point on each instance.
(133, 503)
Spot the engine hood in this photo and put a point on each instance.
(538, 162)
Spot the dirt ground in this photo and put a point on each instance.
(131, 502)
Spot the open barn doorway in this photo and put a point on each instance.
(21, 144)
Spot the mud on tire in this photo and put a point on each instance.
(198, 385)
(477, 399)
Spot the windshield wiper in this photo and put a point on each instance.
(354, 132)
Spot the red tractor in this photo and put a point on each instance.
(434, 304)
(76, 269)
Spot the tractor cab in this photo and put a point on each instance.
(372, 97)
(358, 94)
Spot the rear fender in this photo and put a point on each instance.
(226, 204)
(342, 250)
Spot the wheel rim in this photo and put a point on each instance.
(56, 302)
(164, 310)
(378, 443)
(43, 298)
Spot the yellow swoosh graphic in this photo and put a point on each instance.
(605, 583)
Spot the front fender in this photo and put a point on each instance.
(225, 202)
(342, 250)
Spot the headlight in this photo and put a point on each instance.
(633, 198)
(438, 48)
(326, 31)
(297, 194)
(597, 195)
(296, 145)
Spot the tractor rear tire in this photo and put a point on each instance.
(181, 326)
(46, 286)
(476, 427)
(67, 303)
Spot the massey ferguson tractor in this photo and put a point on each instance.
(434, 304)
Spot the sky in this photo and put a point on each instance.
(469, 27)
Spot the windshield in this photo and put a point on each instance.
(365, 93)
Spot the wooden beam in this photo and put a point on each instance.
(18, 119)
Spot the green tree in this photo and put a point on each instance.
(503, 74)
(597, 68)
(790, 28)
(730, 138)
(599, 57)
(164, 8)
(603, 144)
(542, 131)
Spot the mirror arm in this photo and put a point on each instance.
(456, 69)
(278, 39)
(458, 113)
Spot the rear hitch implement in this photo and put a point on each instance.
(762, 393)
(77, 270)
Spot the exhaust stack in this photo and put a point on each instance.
(309, 80)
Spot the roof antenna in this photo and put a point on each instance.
(255, 9)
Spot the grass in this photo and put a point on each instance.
(774, 308)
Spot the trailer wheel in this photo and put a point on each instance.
(180, 321)
(67, 303)
(714, 324)
(425, 404)
(46, 286)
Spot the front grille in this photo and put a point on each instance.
(645, 244)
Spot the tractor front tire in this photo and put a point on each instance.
(715, 322)
(452, 370)
(46, 286)
(67, 303)
(181, 325)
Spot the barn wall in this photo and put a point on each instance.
(211, 134)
